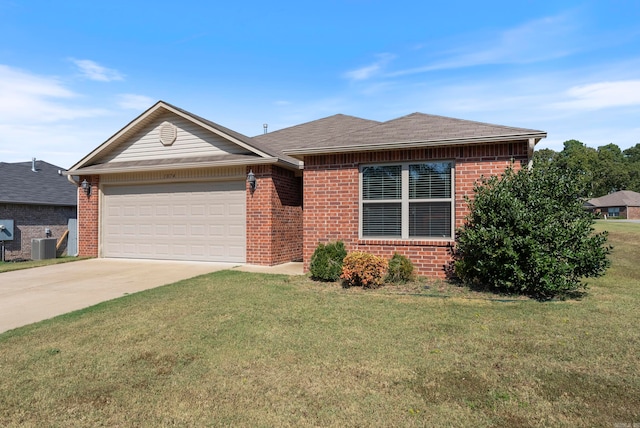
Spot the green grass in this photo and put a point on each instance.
(239, 349)
(10, 265)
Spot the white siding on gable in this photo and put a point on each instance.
(191, 141)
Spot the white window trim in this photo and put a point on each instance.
(404, 201)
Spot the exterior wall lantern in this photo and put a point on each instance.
(86, 187)
(251, 179)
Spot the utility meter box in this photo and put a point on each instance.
(43, 248)
(6, 230)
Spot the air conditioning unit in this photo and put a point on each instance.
(43, 248)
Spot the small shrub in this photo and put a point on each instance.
(363, 269)
(326, 261)
(400, 269)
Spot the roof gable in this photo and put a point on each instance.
(19, 184)
(140, 143)
(622, 198)
(189, 139)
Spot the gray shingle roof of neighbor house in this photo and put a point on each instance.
(416, 130)
(20, 185)
(623, 198)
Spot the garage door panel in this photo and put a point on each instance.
(238, 251)
(179, 221)
(162, 210)
(236, 231)
(198, 211)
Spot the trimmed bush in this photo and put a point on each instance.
(326, 261)
(528, 233)
(363, 269)
(400, 269)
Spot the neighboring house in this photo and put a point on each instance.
(172, 185)
(39, 200)
(622, 204)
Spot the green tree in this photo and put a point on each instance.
(632, 154)
(632, 159)
(611, 172)
(545, 156)
(528, 233)
(581, 161)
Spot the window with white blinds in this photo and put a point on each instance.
(407, 201)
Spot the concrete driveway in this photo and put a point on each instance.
(31, 295)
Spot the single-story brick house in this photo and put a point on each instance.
(621, 204)
(172, 185)
(38, 200)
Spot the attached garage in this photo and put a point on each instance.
(171, 185)
(202, 221)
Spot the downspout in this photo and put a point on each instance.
(71, 180)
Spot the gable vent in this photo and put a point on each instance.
(168, 133)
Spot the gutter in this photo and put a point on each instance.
(71, 179)
(412, 144)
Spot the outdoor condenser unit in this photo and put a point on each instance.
(43, 248)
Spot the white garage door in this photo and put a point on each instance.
(178, 221)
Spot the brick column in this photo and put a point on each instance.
(88, 218)
(274, 216)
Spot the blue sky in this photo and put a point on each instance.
(72, 73)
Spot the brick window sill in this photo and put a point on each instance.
(407, 242)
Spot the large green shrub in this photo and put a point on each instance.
(326, 261)
(363, 269)
(528, 233)
(400, 269)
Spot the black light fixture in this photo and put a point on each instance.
(251, 179)
(86, 187)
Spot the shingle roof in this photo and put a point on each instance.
(333, 134)
(20, 185)
(623, 198)
(311, 133)
(415, 128)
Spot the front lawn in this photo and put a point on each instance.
(28, 264)
(240, 349)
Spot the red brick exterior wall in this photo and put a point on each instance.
(633, 213)
(274, 216)
(331, 198)
(30, 222)
(88, 218)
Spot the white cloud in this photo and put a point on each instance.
(134, 101)
(58, 144)
(371, 70)
(29, 98)
(94, 71)
(39, 117)
(601, 95)
(534, 41)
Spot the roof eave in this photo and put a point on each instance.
(98, 169)
(413, 144)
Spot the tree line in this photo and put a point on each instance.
(604, 170)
